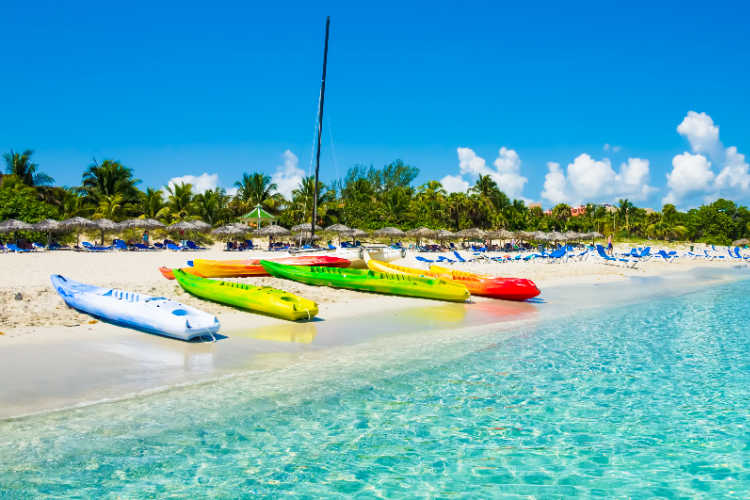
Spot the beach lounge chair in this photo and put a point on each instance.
(422, 259)
(94, 248)
(15, 248)
(458, 256)
(38, 246)
(120, 245)
(174, 247)
(444, 259)
(190, 244)
(614, 260)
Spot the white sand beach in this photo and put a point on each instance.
(60, 357)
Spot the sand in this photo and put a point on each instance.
(60, 358)
(28, 302)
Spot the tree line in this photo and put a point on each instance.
(366, 197)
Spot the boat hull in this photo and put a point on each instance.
(370, 281)
(246, 268)
(264, 300)
(157, 315)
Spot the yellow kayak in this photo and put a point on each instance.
(262, 299)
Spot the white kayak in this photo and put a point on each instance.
(152, 314)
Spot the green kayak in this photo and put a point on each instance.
(370, 281)
(262, 299)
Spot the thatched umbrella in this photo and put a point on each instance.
(421, 232)
(741, 242)
(13, 225)
(106, 225)
(201, 226)
(305, 228)
(230, 230)
(473, 232)
(391, 232)
(540, 236)
(132, 223)
(77, 223)
(339, 229)
(356, 233)
(556, 236)
(273, 230)
(181, 226)
(48, 226)
(444, 234)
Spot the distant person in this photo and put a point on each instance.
(145, 237)
(610, 249)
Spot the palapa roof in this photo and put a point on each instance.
(338, 228)
(106, 224)
(47, 225)
(389, 231)
(422, 232)
(77, 222)
(305, 228)
(273, 230)
(473, 232)
(14, 225)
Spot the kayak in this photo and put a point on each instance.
(370, 281)
(261, 299)
(245, 268)
(167, 272)
(151, 314)
(490, 286)
(477, 284)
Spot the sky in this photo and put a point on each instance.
(557, 101)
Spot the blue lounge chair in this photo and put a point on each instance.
(458, 256)
(174, 247)
(422, 259)
(93, 248)
(443, 258)
(603, 255)
(15, 248)
(120, 245)
(38, 246)
(190, 244)
(331, 247)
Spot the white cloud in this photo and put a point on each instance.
(690, 174)
(506, 172)
(288, 176)
(200, 183)
(454, 184)
(588, 179)
(693, 178)
(701, 133)
(555, 184)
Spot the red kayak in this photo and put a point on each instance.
(244, 268)
(490, 286)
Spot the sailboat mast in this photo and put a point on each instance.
(320, 131)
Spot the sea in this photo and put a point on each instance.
(642, 399)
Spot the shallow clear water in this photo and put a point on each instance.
(646, 400)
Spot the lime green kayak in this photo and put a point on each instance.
(369, 281)
(260, 299)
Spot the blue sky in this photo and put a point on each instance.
(195, 88)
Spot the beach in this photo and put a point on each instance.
(64, 358)
(38, 305)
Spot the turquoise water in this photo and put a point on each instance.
(646, 400)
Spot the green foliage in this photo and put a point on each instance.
(20, 165)
(366, 197)
(19, 201)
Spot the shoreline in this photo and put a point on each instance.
(124, 364)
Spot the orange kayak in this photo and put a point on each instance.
(490, 286)
(243, 268)
(169, 274)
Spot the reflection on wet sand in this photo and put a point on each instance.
(300, 333)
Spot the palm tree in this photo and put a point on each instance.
(108, 179)
(109, 206)
(257, 189)
(212, 206)
(303, 196)
(625, 207)
(20, 165)
(180, 201)
(153, 203)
